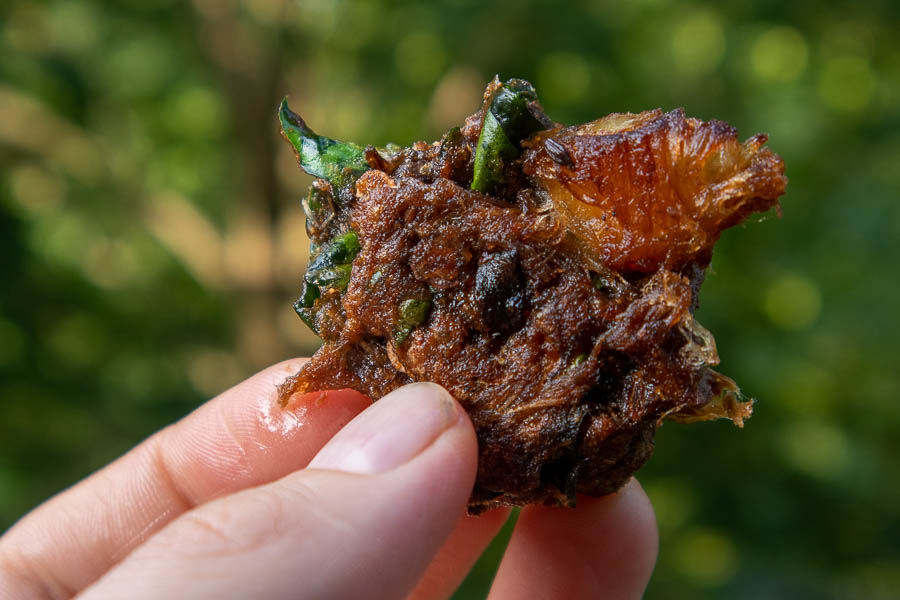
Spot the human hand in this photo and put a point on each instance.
(331, 498)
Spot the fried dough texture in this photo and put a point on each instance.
(545, 275)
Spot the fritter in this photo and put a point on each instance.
(545, 275)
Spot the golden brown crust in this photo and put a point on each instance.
(654, 189)
(561, 317)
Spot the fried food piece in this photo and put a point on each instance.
(545, 275)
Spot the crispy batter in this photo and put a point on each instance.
(654, 189)
(558, 312)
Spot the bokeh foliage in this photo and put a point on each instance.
(151, 241)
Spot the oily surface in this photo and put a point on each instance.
(558, 312)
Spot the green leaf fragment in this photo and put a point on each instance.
(343, 248)
(313, 204)
(411, 313)
(515, 108)
(318, 206)
(309, 296)
(493, 148)
(452, 138)
(329, 270)
(304, 306)
(578, 361)
(307, 315)
(602, 284)
(337, 276)
(332, 265)
(513, 115)
(340, 163)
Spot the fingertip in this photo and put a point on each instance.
(392, 431)
(644, 528)
(626, 523)
(245, 437)
(604, 547)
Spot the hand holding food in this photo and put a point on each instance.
(334, 498)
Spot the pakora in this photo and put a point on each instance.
(545, 275)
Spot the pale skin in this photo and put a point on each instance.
(334, 497)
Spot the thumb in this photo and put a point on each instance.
(363, 520)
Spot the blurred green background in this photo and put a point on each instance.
(151, 240)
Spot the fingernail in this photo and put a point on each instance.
(390, 432)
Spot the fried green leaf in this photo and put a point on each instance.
(411, 313)
(339, 163)
(514, 115)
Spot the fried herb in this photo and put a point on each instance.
(578, 361)
(318, 207)
(411, 313)
(329, 269)
(304, 307)
(514, 114)
(331, 266)
(339, 163)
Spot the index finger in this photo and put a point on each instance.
(240, 439)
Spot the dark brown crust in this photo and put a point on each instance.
(566, 348)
